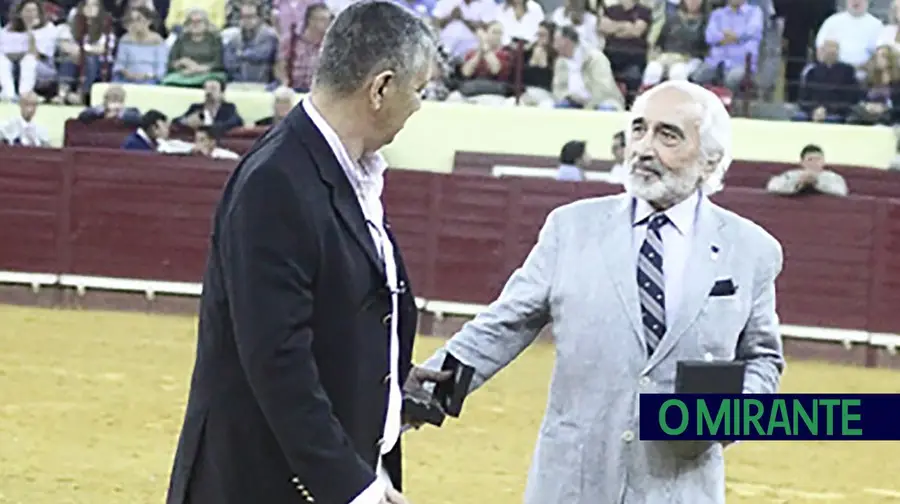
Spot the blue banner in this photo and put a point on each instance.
(776, 417)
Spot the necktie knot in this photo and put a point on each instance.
(657, 221)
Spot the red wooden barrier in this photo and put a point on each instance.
(119, 214)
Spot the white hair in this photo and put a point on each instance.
(715, 128)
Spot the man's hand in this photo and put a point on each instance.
(392, 496)
(415, 385)
(729, 37)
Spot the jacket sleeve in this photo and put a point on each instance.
(269, 261)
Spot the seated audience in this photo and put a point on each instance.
(90, 31)
(828, 89)
(142, 55)
(152, 132)
(537, 75)
(625, 26)
(423, 8)
(27, 47)
(214, 111)
(855, 30)
(112, 108)
(733, 32)
(582, 77)
(882, 74)
(250, 56)
(574, 13)
(22, 130)
(810, 178)
(206, 141)
(520, 20)
(680, 46)
(233, 12)
(302, 51)
(619, 171)
(119, 9)
(282, 103)
(573, 160)
(196, 55)
(459, 22)
(889, 34)
(486, 70)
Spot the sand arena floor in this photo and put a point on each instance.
(91, 404)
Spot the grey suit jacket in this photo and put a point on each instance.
(580, 278)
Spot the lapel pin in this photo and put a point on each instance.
(714, 252)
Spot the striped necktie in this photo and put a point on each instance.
(651, 283)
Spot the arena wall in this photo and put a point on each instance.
(107, 228)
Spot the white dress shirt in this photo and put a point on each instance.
(367, 178)
(676, 241)
(525, 28)
(456, 37)
(856, 36)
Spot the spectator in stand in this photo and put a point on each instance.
(810, 178)
(459, 22)
(282, 103)
(142, 55)
(302, 52)
(233, 12)
(112, 108)
(520, 20)
(88, 30)
(537, 74)
(576, 14)
(22, 130)
(856, 32)
(422, 8)
(625, 26)
(152, 132)
(292, 18)
(681, 45)
(828, 89)
(485, 70)
(214, 111)
(197, 54)
(206, 143)
(573, 160)
(438, 87)
(27, 46)
(733, 32)
(619, 170)
(119, 9)
(889, 34)
(250, 56)
(582, 77)
(882, 94)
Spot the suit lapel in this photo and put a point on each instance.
(708, 251)
(621, 263)
(343, 198)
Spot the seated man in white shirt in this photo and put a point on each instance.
(206, 143)
(22, 130)
(810, 178)
(459, 21)
(855, 30)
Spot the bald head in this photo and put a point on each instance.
(678, 140)
(28, 103)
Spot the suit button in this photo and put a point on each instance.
(628, 436)
(386, 320)
(386, 378)
(295, 480)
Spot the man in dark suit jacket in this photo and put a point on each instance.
(307, 319)
(153, 128)
(214, 111)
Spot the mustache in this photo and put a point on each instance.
(648, 164)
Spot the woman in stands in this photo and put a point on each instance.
(87, 42)
(27, 46)
(537, 74)
(485, 71)
(142, 55)
(196, 56)
(681, 45)
(882, 93)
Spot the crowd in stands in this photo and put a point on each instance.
(592, 54)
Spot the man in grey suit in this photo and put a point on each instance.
(627, 284)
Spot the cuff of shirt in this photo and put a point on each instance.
(372, 494)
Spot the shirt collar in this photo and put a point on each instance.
(365, 174)
(681, 215)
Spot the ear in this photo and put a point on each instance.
(378, 88)
(711, 163)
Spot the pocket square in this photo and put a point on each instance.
(723, 288)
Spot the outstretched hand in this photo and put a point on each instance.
(415, 385)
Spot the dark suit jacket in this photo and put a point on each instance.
(137, 142)
(227, 117)
(289, 391)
